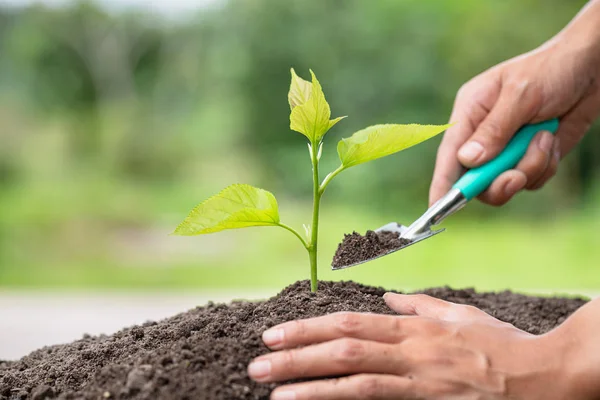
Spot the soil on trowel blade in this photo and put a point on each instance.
(203, 353)
(357, 248)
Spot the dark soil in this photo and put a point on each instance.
(203, 353)
(356, 248)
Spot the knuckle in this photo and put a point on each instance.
(421, 298)
(424, 327)
(548, 174)
(339, 382)
(491, 133)
(539, 185)
(422, 324)
(297, 328)
(522, 86)
(398, 325)
(469, 310)
(453, 312)
(536, 157)
(497, 201)
(464, 90)
(537, 168)
(349, 351)
(526, 90)
(468, 88)
(414, 351)
(348, 323)
(517, 85)
(493, 199)
(369, 388)
(288, 359)
(414, 300)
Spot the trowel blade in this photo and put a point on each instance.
(393, 227)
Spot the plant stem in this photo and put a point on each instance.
(313, 245)
(329, 177)
(289, 228)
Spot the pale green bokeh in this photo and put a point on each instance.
(554, 255)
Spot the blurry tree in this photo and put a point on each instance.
(82, 61)
(152, 98)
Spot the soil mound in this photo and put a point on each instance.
(203, 353)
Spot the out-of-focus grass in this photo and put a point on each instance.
(494, 254)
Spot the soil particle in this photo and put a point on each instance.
(138, 378)
(356, 248)
(203, 353)
(42, 392)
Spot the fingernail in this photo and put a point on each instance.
(545, 142)
(273, 337)
(283, 395)
(471, 151)
(259, 369)
(388, 296)
(513, 186)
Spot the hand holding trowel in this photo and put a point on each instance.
(469, 186)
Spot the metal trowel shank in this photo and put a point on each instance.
(393, 227)
(421, 228)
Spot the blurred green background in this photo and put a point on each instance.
(116, 121)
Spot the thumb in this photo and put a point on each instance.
(430, 307)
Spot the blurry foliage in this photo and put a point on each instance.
(145, 97)
(132, 117)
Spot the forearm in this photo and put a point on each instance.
(577, 341)
(584, 30)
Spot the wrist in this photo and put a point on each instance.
(541, 373)
(576, 349)
(580, 49)
(583, 33)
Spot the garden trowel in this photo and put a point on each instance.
(469, 186)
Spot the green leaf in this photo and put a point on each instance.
(335, 121)
(236, 206)
(300, 91)
(310, 113)
(382, 140)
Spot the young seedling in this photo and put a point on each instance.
(241, 206)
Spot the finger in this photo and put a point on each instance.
(537, 158)
(447, 167)
(471, 106)
(516, 105)
(504, 187)
(334, 358)
(552, 167)
(363, 386)
(571, 129)
(578, 120)
(427, 306)
(530, 169)
(376, 327)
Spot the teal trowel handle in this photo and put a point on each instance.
(476, 180)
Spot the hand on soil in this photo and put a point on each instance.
(433, 350)
(557, 80)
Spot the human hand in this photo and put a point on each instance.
(560, 79)
(434, 350)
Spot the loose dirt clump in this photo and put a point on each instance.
(203, 353)
(357, 248)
